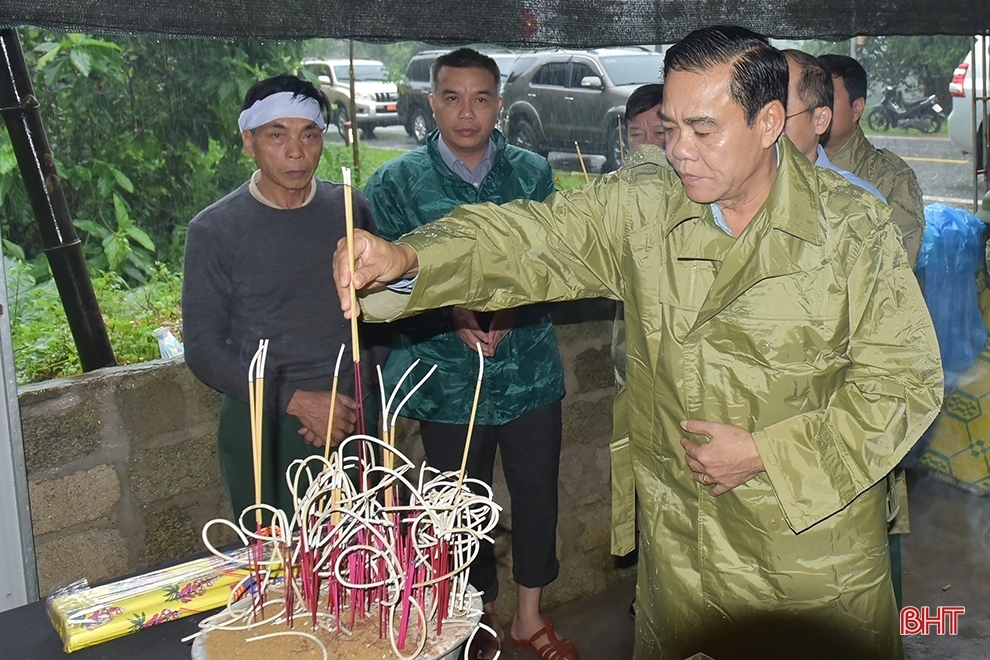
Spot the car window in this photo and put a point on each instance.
(521, 66)
(419, 70)
(581, 70)
(361, 72)
(552, 73)
(504, 63)
(318, 69)
(633, 69)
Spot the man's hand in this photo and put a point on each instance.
(502, 322)
(730, 457)
(312, 410)
(376, 262)
(465, 324)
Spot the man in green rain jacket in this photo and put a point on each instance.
(780, 358)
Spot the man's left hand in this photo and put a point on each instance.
(730, 457)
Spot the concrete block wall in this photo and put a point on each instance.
(123, 473)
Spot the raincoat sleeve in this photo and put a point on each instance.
(818, 462)
(490, 257)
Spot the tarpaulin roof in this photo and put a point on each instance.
(573, 23)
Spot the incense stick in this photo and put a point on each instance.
(256, 407)
(581, 160)
(333, 402)
(474, 412)
(355, 310)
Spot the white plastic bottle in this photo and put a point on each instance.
(169, 346)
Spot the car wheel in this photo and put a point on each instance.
(877, 120)
(420, 125)
(613, 151)
(340, 115)
(522, 134)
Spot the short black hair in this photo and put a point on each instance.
(814, 87)
(465, 58)
(287, 83)
(759, 71)
(852, 73)
(642, 99)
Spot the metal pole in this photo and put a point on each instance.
(21, 114)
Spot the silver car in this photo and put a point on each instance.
(960, 122)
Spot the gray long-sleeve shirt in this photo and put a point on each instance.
(254, 272)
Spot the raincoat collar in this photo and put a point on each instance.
(783, 237)
(796, 187)
(495, 175)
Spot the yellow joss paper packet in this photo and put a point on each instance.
(85, 616)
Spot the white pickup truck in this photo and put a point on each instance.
(374, 99)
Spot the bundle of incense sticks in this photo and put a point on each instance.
(363, 540)
(85, 616)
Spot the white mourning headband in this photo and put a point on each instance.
(281, 105)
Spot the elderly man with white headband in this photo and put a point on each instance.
(258, 266)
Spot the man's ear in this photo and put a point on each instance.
(247, 140)
(821, 118)
(770, 122)
(858, 106)
(432, 101)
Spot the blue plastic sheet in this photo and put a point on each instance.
(951, 257)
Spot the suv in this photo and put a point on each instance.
(960, 120)
(553, 99)
(414, 96)
(374, 99)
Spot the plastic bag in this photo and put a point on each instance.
(951, 257)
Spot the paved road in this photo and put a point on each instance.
(944, 173)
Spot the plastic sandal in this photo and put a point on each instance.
(556, 648)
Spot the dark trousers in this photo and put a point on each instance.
(281, 444)
(530, 448)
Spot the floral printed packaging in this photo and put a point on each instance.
(85, 616)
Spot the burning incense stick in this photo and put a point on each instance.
(581, 160)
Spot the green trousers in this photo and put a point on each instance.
(281, 444)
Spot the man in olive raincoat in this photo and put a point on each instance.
(780, 358)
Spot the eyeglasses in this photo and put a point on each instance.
(786, 117)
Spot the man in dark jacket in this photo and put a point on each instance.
(467, 161)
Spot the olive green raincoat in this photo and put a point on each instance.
(892, 177)
(808, 330)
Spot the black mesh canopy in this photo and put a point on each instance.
(574, 23)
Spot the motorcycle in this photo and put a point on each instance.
(924, 114)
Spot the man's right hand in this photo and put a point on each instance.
(376, 262)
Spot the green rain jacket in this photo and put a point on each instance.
(892, 177)
(809, 330)
(525, 373)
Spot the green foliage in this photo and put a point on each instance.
(144, 133)
(918, 65)
(42, 343)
